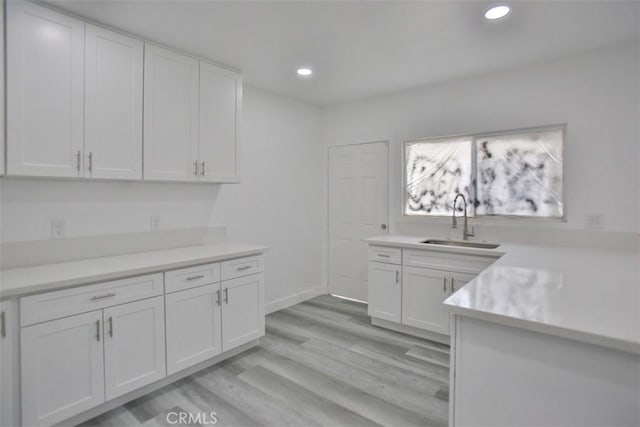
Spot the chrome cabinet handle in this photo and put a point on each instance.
(397, 276)
(97, 330)
(384, 256)
(452, 286)
(90, 161)
(444, 284)
(99, 297)
(78, 160)
(202, 171)
(195, 166)
(226, 295)
(245, 267)
(111, 326)
(3, 326)
(199, 276)
(218, 297)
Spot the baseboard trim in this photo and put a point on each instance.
(410, 330)
(294, 299)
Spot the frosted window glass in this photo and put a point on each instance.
(520, 174)
(435, 172)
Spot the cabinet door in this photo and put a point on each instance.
(242, 310)
(220, 106)
(134, 347)
(45, 83)
(385, 291)
(423, 292)
(62, 368)
(458, 280)
(193, 326)
(8, 364)
(1, 95)
(170, 115)
(113, 105)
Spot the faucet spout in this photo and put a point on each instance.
(454, 223)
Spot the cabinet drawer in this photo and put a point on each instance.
(446, 261)
(67, 302)
(242, 267)
(385, 254)
(190, 277)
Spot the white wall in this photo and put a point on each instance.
(276, 204)
(596, 94)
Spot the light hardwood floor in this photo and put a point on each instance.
(321, 363)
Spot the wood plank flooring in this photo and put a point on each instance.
(321, 363)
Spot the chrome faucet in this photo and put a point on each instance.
(465, 232)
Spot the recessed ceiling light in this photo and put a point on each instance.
(304, 71)
(497, 12)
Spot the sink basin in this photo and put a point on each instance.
(463, 244)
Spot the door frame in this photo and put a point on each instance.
(387, 143)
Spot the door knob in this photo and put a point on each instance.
(383, 226)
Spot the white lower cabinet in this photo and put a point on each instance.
(8, 364)
(408, 286)
(242, 310)
(205, 321)
(83, 346)
(62, 368)
(423, 292)
(194, 333)
(385, 291)
(134, 346)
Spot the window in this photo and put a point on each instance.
(516, 173)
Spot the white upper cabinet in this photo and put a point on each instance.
(2, 91)
(45, 80)
(170, 115)
(113, 105)
(220, 107)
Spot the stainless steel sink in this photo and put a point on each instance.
(463, 244)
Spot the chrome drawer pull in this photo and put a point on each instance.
(97, 330)
(99, 297)
(199, 276)
(226, 295)
(246, 267)
(384, 256)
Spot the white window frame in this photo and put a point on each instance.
(471, 212)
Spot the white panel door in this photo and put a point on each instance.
(8, 364)
(45, 83)
(134, 345)
(170, 115)
(220, 108)
(194, 331)
(113, 105)
(423, 292)
(242, 310)
(385, 291)
(358, 208)
(62, 368)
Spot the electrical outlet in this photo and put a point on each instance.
(155, 223)
(58, 229)
(594, 221)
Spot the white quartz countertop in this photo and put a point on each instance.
(585, 294)
(28, 280)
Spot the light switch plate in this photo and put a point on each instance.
(155, 222)
(58, 229)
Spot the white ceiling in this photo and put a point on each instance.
(361, 48)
